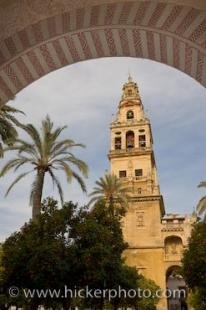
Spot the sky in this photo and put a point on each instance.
(84, 96)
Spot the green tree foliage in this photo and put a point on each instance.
(195, 299)
(41, 255)
(148, 303)
(100, 245)
(8, 132)
(46, 154)
(194, 265)
(69, 246)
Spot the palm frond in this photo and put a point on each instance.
(56, 133)
(21, 176)
(35, 136)
(64, 149)
(10, 165)
(201, 206)
(202, 184)
(1, 150)
(95, 199)
(80, 181)
(7, 132)
(23, 146)
(58, 184)
(9, 109)
(96, 192)
(23, 162)
(47, 124)
(80, 164)
(61, 152)
(70, 174)
(57, 146)
(67, 170)
(111, 189)
(14, 120)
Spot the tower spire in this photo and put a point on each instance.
(130, 78)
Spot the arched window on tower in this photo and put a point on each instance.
(130, 114)
(130, 139)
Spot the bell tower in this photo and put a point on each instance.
(155, 240)
(131, 154)
(132, 159)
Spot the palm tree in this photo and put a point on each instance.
(8, 132)
(112, 191)
(201, 206)
(46, 154)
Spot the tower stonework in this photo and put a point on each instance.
(156, 240)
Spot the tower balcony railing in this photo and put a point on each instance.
(129, 122)
(135, 178)
(130, 150)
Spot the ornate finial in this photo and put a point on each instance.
(130, 78)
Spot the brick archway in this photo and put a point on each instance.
(40, 36)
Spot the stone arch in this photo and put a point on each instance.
(130, 114)
(176, 285)
(40, 36)
(173, 245)
(130, 140)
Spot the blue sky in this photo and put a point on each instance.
(85, 96)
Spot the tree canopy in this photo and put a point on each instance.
(72, 247)
(194, 265)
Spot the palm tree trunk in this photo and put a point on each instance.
(36, 205)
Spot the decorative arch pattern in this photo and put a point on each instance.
(41, 36)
